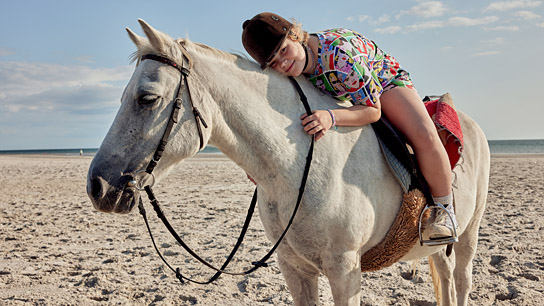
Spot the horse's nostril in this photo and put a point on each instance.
(96, 189)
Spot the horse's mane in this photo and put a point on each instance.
(173, 51)
(210, 50)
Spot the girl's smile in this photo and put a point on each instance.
(291, 66)
(290, 59)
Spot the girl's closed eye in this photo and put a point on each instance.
(281, 53)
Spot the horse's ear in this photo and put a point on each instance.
(156, 38)
(136, 39)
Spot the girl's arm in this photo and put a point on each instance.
(357, 115)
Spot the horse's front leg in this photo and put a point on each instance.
(301, 278)
(344, 273)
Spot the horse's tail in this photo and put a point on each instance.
(436, 281)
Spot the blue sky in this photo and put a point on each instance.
(64, 64)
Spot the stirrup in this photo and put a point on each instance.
(438, 241)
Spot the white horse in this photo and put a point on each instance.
(351, 197)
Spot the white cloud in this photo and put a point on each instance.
(84, 99)
(373, 21)
(509, 5)
(502, 28)
(451, 22)
(20, 78)
(527, 15)
(389, 30)
(468, 22)
(494, 42)
(540, 25)
(48, 87)
(426, 9)
(383, 19)
(47, 105)
(85, 59)
(487, 53)
(359, 18)
(425, 25)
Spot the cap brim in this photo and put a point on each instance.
(269, 59)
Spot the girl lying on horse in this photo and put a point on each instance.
(348, 66)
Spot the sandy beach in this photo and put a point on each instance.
(57, 250)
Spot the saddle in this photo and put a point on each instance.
(404, 233)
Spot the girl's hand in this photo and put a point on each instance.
(319, 135)
(318, 123)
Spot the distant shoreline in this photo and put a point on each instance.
(498, 148)
(78, 152)
(517, 155)
(91, 155)
(223, 156)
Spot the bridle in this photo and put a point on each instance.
(174, 118)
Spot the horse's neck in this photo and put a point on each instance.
(256, 122)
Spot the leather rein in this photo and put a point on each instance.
(174, 117)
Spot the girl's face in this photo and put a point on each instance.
(290, 58)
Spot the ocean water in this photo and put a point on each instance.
(532, 146)
(521, 146)
(84, 152)
(67, 152)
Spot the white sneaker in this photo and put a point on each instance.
(442, 227)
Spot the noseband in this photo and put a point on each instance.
(174, 117)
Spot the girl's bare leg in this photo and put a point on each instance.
(405, 110)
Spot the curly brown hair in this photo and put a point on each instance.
(297, 34)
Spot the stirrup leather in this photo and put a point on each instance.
(439, 241)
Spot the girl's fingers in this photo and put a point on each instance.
(312, 127)
(320, 134)
(315, 124)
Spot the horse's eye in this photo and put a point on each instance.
(148, 99)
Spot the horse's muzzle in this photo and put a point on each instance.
(108, 198)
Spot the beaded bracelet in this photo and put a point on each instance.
(333, 119)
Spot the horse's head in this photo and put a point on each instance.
(146, 108)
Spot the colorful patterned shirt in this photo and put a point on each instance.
(352, 67)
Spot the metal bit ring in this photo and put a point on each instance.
(137, 183)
